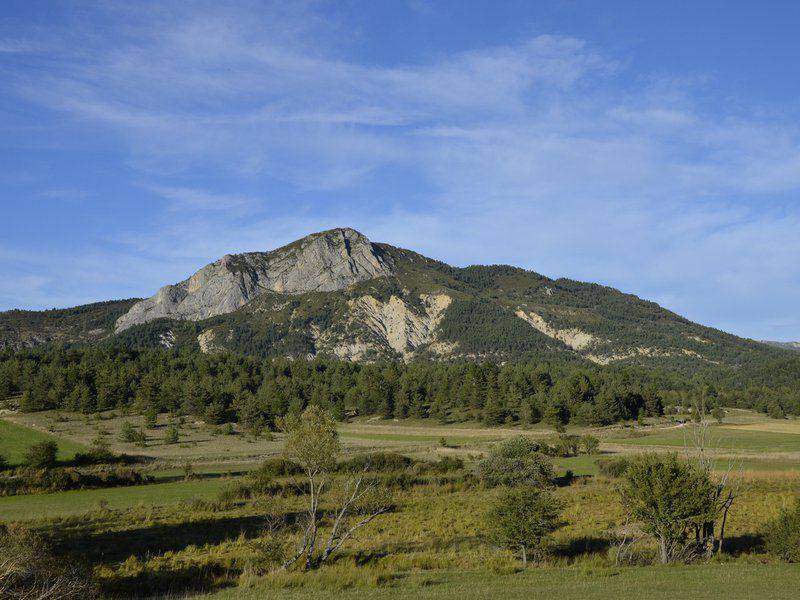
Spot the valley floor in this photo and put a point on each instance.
(174, 536)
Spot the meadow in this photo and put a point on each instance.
(176, 535)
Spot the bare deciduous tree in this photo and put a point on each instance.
(313, 443)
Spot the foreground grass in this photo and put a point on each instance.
(16, 439)
(700, 582)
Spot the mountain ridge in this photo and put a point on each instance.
(337, 293)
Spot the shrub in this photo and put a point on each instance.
(782, 537)
(516, 462)
(29, 570)
(567, 445)
(376, 462)
(4, 463)
(613, 467)
(278, 467)
(151, 418)
(173, 435)
(589, 444)
(31, 481)
(523, 518)
(99, 453)
(131, 435)
(41, 456)
(446, 464)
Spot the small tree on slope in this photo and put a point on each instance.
(313, 443)
(523, 518)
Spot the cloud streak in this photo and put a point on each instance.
(254, 126)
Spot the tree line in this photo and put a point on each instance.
(227, 387)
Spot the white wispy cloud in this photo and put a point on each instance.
(538, 152)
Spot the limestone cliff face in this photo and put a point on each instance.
(373, 326)
(323, 262)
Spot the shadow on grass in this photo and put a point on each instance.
(743, 544)
(588, 544)
(173, 583)
(110, 547)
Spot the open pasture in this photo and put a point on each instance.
(175, 535)
(15, 440)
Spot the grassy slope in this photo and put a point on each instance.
(15, 439)
(703, 582)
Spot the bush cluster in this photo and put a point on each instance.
(782, 537)
(32, 481)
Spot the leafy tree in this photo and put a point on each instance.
(523, 519)
(41, 456)
(671, 498)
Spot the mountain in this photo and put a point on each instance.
(89, 323)
(785, 345)
(337, 293)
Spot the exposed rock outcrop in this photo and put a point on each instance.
(374, 326)
(322, 262)
(574, 338)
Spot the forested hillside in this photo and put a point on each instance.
(222, 387)
(337, 295)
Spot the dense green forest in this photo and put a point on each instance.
(224, 387)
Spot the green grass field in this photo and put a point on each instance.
(63, 504)
(720, 438)
(432, 546)
(15, 440)
(704, 582)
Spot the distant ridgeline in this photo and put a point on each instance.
(224, 387)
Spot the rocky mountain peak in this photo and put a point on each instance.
(321, 262)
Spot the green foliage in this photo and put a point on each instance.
(33, 481)
(41, 456)
(224, 387)
(311, 440)
(613, 467)
(517, 461)
(4, 463)
(151, 417)
(589, 444)
(782, 537)
(670, 498)
(99, 452)
(376, 462)
(522, 519)
(131, 435)
(173, 434)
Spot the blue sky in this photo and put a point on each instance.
(652, 146)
